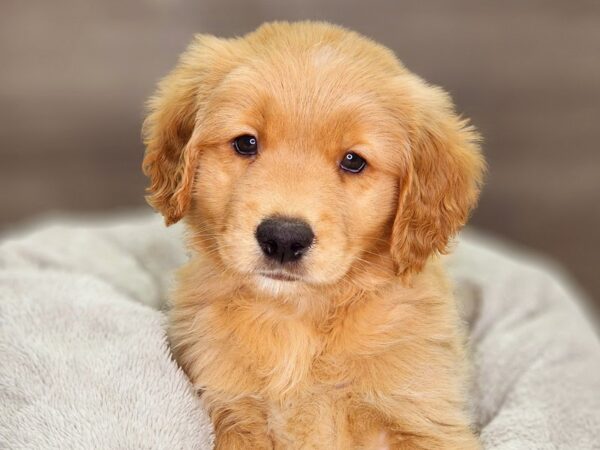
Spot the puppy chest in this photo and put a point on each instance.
(313, 413)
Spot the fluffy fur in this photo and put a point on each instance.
(365, 349)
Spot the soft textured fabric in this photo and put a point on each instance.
(84, 362)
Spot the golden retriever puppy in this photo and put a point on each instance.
(319, 181)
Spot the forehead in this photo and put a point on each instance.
(311, 84)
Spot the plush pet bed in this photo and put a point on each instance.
(84, 362)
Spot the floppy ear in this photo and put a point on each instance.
(170, 158)
(441, 183)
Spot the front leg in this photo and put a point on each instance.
(240, 423)
(442, 438)
(414, 427)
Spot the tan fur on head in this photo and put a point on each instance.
(359, 345)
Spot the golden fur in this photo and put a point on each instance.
(366, 350)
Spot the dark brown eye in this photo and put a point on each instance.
(353, 163)
(246, 145)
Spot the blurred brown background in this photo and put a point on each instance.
(74, 75)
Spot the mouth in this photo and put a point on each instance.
(280, 276)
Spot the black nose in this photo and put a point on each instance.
(284, 239)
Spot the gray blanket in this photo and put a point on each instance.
(84, 362)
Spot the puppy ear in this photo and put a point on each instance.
(441, 183)
(173, 112)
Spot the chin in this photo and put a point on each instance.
(276, 286)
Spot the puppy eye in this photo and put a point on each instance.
(353, 163)
(246, 145)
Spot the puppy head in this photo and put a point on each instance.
(303, 152)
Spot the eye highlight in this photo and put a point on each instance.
(352, 163)
(246, 145)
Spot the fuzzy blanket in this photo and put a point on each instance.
(84, 362)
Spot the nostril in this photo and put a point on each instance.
(269, 247)
(298, 249)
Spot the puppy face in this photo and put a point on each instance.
(302, 126)
(303, 152)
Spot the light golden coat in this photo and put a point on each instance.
(366, 350)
